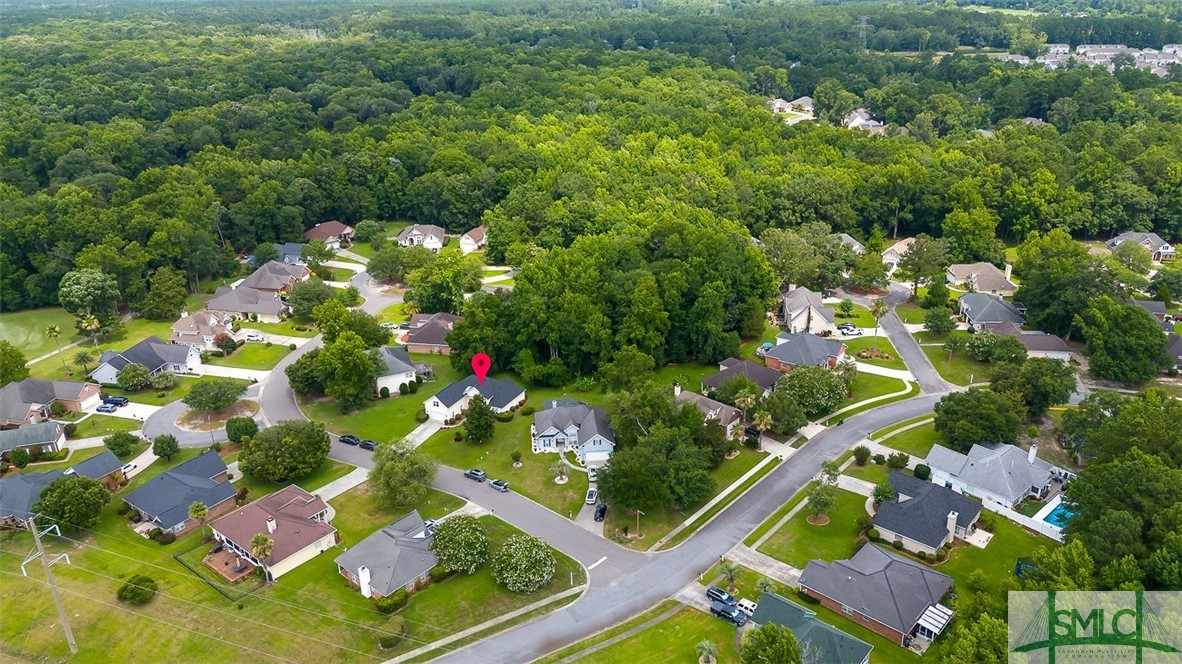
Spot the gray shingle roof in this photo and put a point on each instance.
(924, 516)
(497, 392)
(884, 586)
(395, 360)
(983, 276)
(1174, 348)
(97, 467)
(804, 349)
(832, 645)
(167, 497)
(425, 230)
(17, 399)
(589, 421)
(762, 376)
(852, 242)
(1152, 306)
(245, 300)
(40, 433)
(431, 329)
(1152, 239)
(274, 275)
(986, 308)
(290, 252)
(799, 299)
(20, 492)
(152, 352)
(723, 413)
(394, 555)
(1003, 470)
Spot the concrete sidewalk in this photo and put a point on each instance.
(423, 432)
(765, 565)
(342, 484)
(874, 369)
(855, 485)
(233, 372)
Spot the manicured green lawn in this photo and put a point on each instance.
(909, 312)
(690, 375)
(359, 515)
(748, 347)
(857, 344)
(258, 356)
(871, 472)
(26, 331)
(338, 274)
(868, 386)
(393, 314)
(798, 541)
(924, 337)
(364, 249)
(104, 425)
(327, 472)
(383, 419)
(78, 456)
(158, 398)
(960, 370)
(861, 317)
(609, 633)
(1009, 543)
(777, 515)
(673, 640)
(878, 435)
(917, 442)
(134, 331)
(285, 328)
(885, 651)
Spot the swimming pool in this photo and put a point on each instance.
(1060, 515)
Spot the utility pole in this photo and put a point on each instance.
(716, 7)
(864, 29)
(45, 562)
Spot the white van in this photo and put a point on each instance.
(747, 606)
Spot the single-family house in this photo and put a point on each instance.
(979, 309)
(422, 235)
(428, 333)
(19, 492)
(397, 369)
(1174, 349)
(828, 644)
(1156, 308)
(104, 467)
(295, 520)
(247, 303)
(732, 367)
(882, 591)
(1037, 343)
(40, 438)
(981, 278)
(862, 120)
(1159, 249)
(153, 353)
(794, 350)
(804, 312)
(164, 501)
(502, 395)
(397, 557)
(778, 105)
(473, 240)
(925, 516)
(29, 401)
(334, 234)
(276, 277)
(802, 104)
(564, 425)
(291, 253)
(727, 417)
(896, 252)
(849, 241)
(201, 328)
(1003, 474)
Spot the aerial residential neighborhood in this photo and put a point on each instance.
(588, 332)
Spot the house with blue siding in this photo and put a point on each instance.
(566, 425)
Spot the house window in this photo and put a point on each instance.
(847, 609)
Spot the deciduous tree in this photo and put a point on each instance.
(72, 502)
(401, 474)
(285, 452)
(461, 544)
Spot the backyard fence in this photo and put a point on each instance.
(1041, 527)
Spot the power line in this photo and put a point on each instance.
(864, 29)
(45, 562)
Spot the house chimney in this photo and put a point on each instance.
(271, 524)
(952, 525)
(363, 581)
(676, 389)
(1009, 269)
(1032, 454)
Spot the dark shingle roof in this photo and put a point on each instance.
(986, 308)
(167, 497)
(882, 585)
(1152, 306)
(97, 467)
(20, 492)
(152, 352)
(431, 329)
(831, 645)
(762, 376)
(326, 230)
(273, 276)
(40, 433)
(497, 392)
(804, 349)
(16, 399)
(395, 360)
(589, 421)
(924, 516)
(245, 300)
(394, 555)
(1152, 239)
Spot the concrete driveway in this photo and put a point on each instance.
(132, 411)
(253, 375)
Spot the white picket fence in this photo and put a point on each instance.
(1041, 527)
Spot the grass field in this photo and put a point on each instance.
(393, 314)
(861, 317)
(285, 328)
(912, 390)
(871, 472)
(777, 515)
(857, 344)
(157, 398)
(104, 425)
(959, 370)
(257, 356)
(748, 347)
(798, 541)
(673, 640)
(609, 633)
(917, 442)
(26, 330)
(328, 471)
(337, 274)
(909, 312)
(133, 332)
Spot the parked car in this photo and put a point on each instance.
(719, 595)
(747, 606)
(116, 401)
(592, 475)
(499, 485)
(592, 496)
(851, 331)
(475, 474)
(751, 432)
(763, 349)
(350, 439)
(404, 326)
(368, 445)
(429, 526)
(107, 408)
(255, 336)
(390, 327)
(601, 511)
(728, 613)
(127, 468)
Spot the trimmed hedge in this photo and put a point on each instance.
(506, 416)
(528, 409)
(421, 416)
(439, 574)
(392, 602)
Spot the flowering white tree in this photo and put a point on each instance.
(524, 564)
(461, 544)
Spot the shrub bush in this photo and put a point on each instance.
(986, 522)
(19, 457)
(414, 387)
(460, 433)
(291, 346)
(860, 542)
(751, 442)
(216, 353)
(864, 521)
(1032, 431)
(421, 416)
(439, 574)
(516, 456)
(154, 534)
(166, 538)
(139, 589)
(124, 509)
(384, 392)
(922, 472)
(897, 461)
(57, 409)
(239, 429)
(528, 409)
(872, 533)
(402, 389)
(267, 345)
(879, 459)
(898, 544)
(71, 429)
(861, 455)
(506, 416)
(923, 555)
(942, 554)
(393, 602)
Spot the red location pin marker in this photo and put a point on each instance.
(480, 365)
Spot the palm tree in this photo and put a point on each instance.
(261, 546)
(707, 651)
(878, 310)
(198, 512)
(91, 325)
(765, 585)
(83, 358)
(762, 420)
(730, 572)
(559, 469)
(55, 332)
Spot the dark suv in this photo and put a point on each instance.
(728, 613)
(350, 439)
(116, 401)
(719, 595)
(368, 445)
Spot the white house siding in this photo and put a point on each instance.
(944, 479)
(394, 381)
(596, 450)
(437, 411)
(91, 401)
(467, 245)
(1063, 355)
(105, 374)
(801, 323)
(303, 555)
